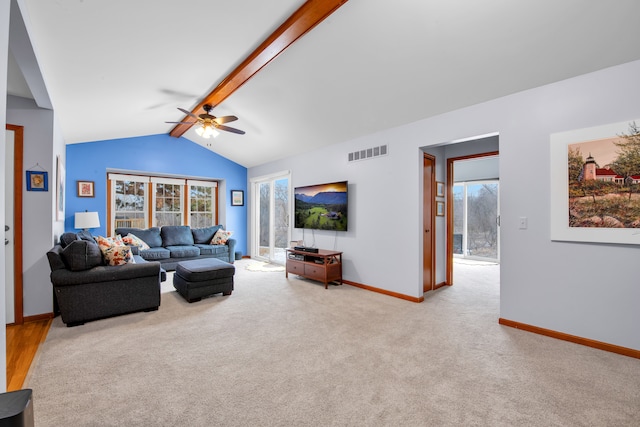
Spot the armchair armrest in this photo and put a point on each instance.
(105, 273)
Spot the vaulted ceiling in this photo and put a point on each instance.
(118, 68)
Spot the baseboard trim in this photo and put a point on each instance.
(36, 317)
(572, 338)
(383, 291)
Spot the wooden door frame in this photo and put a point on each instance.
(18, 160)
(431, 224)
(449, 210)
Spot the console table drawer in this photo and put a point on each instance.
(313, 272)
(295, 267)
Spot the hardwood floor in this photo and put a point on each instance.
(22, 344)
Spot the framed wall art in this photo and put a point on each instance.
(439, 208)
(439, 189)
(237, 198)
(37, 181)
(85, 189)
(595, 184)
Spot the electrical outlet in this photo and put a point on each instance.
(523, 223)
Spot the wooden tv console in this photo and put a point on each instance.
(324, 266)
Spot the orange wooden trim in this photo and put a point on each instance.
(475, 156)
(150, 210)
(383, 291)
(625, 351)
(449, 233)
(310, 14)
(36, 317)
(216, 206)
(449, 192)
(18, 298)
(186, 206)
(440, 285)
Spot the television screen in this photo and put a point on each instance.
(321, 207)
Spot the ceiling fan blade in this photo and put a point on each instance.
(181, 123)
(225, 119)
(229, 129)
(188, 113)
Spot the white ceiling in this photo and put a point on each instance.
(120, 68)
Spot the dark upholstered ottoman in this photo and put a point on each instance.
(203, 277)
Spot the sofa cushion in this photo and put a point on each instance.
(151, 236)
(155, 254)
(183, 251)
(81, 255)
(213, 249)
(221, 237)
(67, 238)
(204, 235)
(176, 235)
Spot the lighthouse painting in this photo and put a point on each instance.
(601, 194)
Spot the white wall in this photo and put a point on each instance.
(38, 215)
(4, 54)
(587, 290)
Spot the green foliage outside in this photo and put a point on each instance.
(318, 216)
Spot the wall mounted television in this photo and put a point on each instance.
(322, 206)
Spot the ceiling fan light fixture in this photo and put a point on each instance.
(207, 131)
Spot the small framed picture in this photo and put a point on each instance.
(440, 208)
(85, 189)
(439, 189)
(237, 198)
(37, 181)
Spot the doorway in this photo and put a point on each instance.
(473, 216)
(428, 241)
(270, 211)
(13, 227)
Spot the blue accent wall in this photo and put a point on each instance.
(159, 154)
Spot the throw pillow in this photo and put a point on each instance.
(133, 240)
(204, 235)
(67, 238)
(118, 255)
(85, 235)
(81, 255)
(221, 237)
(114, 250)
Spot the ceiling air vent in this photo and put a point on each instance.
(368, 153)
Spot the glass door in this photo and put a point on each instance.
(271, 213)
(476, 220)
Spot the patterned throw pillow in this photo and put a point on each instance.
(114, 250)
(221, 237)
(118, 255)
(133, 240)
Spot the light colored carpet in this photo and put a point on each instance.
(264, 267)
(283, 352)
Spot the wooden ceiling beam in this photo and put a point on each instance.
(310, 14)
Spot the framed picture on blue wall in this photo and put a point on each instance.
(237, 198)
(37, 181)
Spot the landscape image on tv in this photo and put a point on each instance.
(321, 207)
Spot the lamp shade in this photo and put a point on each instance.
(87, 220)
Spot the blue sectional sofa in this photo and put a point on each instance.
(172, 244)
(87, 289)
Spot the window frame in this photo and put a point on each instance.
(150, 189)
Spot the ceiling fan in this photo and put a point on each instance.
(209, 123)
